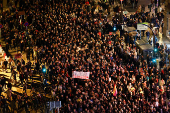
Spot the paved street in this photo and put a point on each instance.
(18, 87)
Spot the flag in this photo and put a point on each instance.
(87, 3)
(114, 90)
(100, 34)
(4, 55)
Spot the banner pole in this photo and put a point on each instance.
(73, 80)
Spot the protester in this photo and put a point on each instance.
(9, 85)
(5, 65)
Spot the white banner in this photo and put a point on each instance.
(141, 26)
(80, 75)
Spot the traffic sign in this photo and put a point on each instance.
(1, 26)
(26, 24)
(54, 104)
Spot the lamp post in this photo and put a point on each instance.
(1, 3)
(121, 11)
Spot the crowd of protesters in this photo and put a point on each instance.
(64, 36)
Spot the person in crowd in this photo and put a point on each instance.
(9, 85)
(148, 35)
(25, 87)
(12, 106)
(3, 82)
(5, 65)
(9, 94)
(26, 106)
(21, 76)
(0, 89)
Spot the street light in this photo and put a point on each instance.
(121, 11)
(154, 60)
(44, 70)
(114, 28)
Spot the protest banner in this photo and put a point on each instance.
(80, 75)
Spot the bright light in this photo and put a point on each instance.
(154, 60)
(44, 70)
(114, 28)
(155, 50)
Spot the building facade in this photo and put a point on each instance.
(166, 29)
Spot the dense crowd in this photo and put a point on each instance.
(65, 36)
